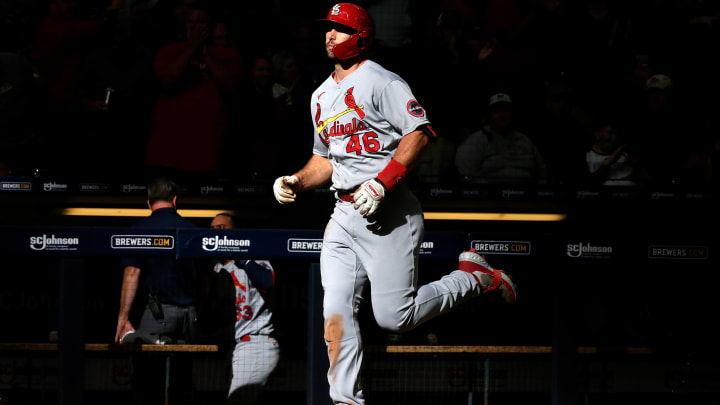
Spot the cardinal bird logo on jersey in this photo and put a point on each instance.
(332, 127)
(320, 125)
(350, 102)
(317, 116)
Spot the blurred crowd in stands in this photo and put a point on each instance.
(567, 92)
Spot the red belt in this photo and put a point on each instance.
(246, 338)
(346, 196)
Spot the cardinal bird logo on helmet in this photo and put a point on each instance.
(350, 102)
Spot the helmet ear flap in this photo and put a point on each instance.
(364, 38)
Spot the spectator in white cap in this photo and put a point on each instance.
(658, 92)
(497, 152)
(658, 81)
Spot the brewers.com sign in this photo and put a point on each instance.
(500, 247)
(142, 242)
(677, 252)
(304, 245)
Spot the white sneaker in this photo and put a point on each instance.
(489, 278)
(140, 337)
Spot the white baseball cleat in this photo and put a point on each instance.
(489, 278)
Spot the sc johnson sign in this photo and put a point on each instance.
(224, 244)
(53, 242)
(587, 250)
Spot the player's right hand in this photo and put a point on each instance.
(123, 327)
(283, 189)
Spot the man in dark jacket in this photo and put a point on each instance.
(170, 309)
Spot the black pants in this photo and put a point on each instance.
(150, 368)
(178, 323)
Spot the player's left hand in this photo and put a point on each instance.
(369, 196)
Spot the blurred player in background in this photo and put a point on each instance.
(256, 352)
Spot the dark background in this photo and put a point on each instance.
(604, 50)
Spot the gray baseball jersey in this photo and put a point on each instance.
(359, 124)
(253, 317)
(256, 352)
(360, 121)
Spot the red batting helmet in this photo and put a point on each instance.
(355, 17)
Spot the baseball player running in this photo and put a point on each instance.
(256, 352)
(369, 131)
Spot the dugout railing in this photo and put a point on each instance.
(533, 253)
